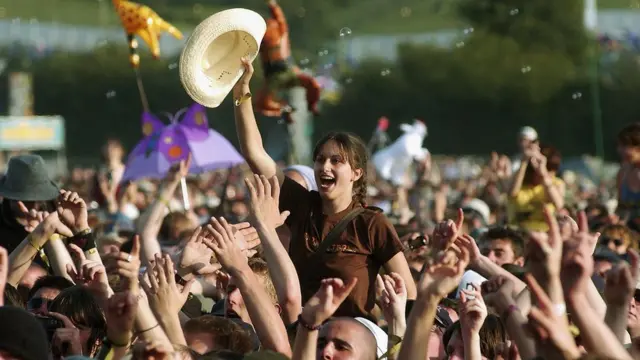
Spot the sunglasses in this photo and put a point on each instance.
(418, 242)
(37, 303)
(605, 240)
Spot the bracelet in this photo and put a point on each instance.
(242, 99)
(507, 313)
(305, 325)
(147, 330)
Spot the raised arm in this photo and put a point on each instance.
(247, 128)
(266, 216)
(278, 15)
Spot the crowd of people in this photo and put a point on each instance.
(274, 262)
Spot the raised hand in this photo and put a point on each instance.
(549, 329)
(446, 232)
(90, 274)
(66, 340)
(162, 290)
(33, 217)
(544, 250)
(326, 300)
(243, 84)
(221, 241)
(195, 257)
(498, 293)
(473, 310)
(442, 275)
(469, 243)
(539, 163)
(391, 296)
(265, 200)
(72, 211)
(126, 267)
(621, 281)
(120, 315)
(179, 170)
(47, 223)
(246, 233)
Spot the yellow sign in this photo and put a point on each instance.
(38, 132)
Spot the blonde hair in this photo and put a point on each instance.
(260, 268)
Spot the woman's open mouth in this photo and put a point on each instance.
(327, 182)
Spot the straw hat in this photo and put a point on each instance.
(210, 63)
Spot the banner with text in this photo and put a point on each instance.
(31, 133)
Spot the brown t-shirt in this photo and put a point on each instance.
(366, 244)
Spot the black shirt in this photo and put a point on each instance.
(11, 232)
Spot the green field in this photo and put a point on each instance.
(364, 17)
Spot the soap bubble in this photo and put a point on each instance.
(576, 96)
(304, 62)
(345, 31)
(111, 94)
(525, 69)
(385, 72)
(172, 66)
(323, 52)
(514, 12)
(460, 44)
(468, 31)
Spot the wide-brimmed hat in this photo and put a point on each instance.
(27, 179)
(210, 63)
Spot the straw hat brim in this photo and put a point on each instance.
(210, 62)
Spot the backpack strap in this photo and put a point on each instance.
(334, 234)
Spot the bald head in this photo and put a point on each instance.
(346, 338)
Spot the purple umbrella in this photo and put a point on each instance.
(165, 145)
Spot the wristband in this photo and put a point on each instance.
(305, 325)
(179, 279)
(84, 240)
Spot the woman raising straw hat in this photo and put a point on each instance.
(333, 233)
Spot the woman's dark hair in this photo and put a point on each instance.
(12, 297)
(355, 153)
(629, 135)
(50, 282)
(492, 333)
(79, 305)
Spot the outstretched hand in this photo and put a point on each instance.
(265, 201)
(326, 300)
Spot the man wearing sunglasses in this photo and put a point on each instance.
(44, 291)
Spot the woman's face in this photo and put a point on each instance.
(629, 153)
(334, 175)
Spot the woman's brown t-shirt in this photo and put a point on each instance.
(366, 244)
